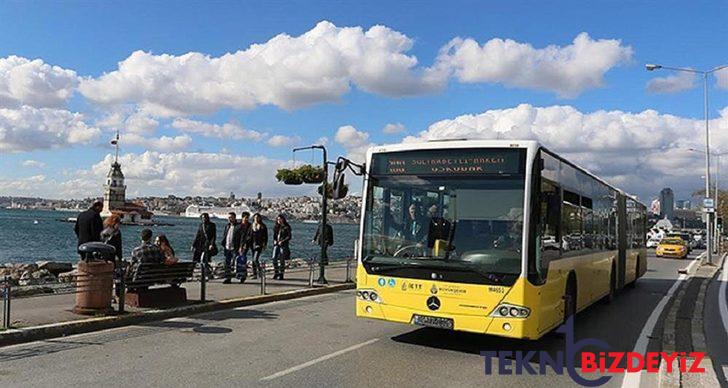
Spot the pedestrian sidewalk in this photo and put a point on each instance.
(46, 309)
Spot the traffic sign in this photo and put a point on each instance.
(708, 203)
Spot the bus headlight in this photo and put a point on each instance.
(507, 310)
(368, 296)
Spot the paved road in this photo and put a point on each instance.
(313, 341)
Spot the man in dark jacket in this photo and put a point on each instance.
(230, 243)
(329, 239)
(204, 241)
(241, 264)
(89, 225)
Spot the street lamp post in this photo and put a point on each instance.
(716, 191)
(324, 210)
(704, 73)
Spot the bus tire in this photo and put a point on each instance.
(570, 297)
(612, 286)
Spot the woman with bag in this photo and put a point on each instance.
(258, 241)
(281, 248)
(204, 244)
(112, 234)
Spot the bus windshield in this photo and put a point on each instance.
(469, 228)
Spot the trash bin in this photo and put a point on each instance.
(94, 279)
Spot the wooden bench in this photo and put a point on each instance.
(139, 293)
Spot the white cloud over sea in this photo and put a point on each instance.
(34, 83)
(28, 128)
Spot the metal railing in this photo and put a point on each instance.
(121, 278)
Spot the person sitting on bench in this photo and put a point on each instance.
(147, 253)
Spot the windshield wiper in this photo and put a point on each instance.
(492, 276)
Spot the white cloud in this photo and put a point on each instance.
(34, 83)
(640, 152)
(187, 173)
(141, 124)
(224, 131)
(28, 128)
(722, 77)
(394, 128)
(28, 186)
(672, 83)
(282, 141)
(354, 141)
(33, 163)
(163, 143)
(286, 71)
(566, 70)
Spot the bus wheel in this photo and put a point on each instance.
(570, 299)
(612, 286)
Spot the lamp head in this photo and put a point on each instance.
(652, 66)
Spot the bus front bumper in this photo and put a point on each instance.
(505, 327)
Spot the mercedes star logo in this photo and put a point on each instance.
(433, 303)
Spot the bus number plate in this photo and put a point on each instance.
(440, 323)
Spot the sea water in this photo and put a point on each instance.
(33, 235)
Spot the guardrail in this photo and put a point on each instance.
(84, 283)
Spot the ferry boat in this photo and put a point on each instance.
(194, 211)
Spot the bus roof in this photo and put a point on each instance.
(533, 145)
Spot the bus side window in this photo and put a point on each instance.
(550, 214)
(572, 240)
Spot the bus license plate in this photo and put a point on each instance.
(440, 323)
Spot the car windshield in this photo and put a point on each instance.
(459, 224)
(673, 241)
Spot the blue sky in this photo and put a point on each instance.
(91, 38)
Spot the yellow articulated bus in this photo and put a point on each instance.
(495, 237)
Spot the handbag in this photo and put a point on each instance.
(241, 263)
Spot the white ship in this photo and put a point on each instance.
(194, 211)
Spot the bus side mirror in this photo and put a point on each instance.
(339, 187)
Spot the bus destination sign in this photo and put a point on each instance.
(450, 162)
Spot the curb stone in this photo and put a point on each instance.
(674, 378)
(54, 330)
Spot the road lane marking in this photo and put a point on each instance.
(723, 306)
(632, 380)
(316, 361)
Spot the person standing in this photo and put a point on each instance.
(281, 249)
(112, 234)
(241, 262)
(203, 248)
(230, 244)
(258, 241)
(329, 239)
(89, 225)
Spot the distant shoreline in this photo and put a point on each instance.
(332, 219)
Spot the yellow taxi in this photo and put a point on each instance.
(672, 247)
